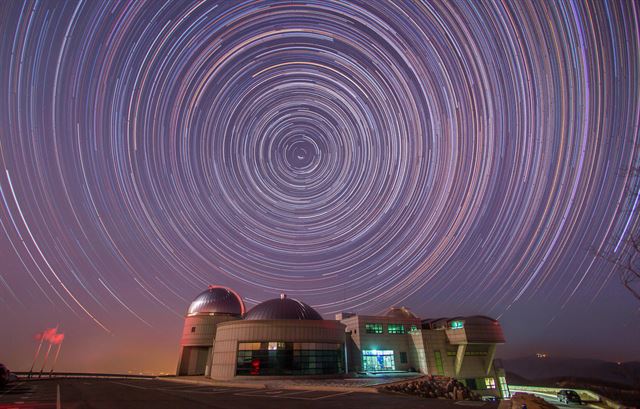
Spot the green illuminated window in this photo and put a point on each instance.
(439, 366)
(504, 388)
(414, 328)
(395, 329)
(373, 328)
(457, 325)
(490, 383)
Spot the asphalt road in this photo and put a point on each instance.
(158, 394)
(552, 399)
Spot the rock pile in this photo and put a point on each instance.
(519, 399)
(434, 387)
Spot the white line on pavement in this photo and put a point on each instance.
(329, 396)
(9, 390)
(130, 386)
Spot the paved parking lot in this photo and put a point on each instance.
(159, 394)
(29, 395)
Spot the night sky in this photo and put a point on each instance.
(452, 157)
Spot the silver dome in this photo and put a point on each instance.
(217, 300)
(282, 308)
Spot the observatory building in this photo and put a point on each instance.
(210, 308)
(286, 337)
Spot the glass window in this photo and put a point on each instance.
(373, 328)
(439, 366)
(403, 357)
(288, 358)
(490, 383)
(395, 329)
(504, 388)
(457, 324)
(377, 360)
(414, 328)
(248, 346)
(193, 329)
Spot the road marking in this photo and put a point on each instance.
(283, 394)
(130, 386)
(255, 392)
(327, 396)
(202, 390)
(294, 392)
(216, 391)
(58, 403)
(9, 390)
(171, 388)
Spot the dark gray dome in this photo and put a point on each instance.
(401, 313)
(217, 300)
(282, 308)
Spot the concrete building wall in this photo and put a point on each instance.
(417, 353)
(196, 345)
(475, 334)
(434, 343)
(474, 367)
(476, 362)
(362, 340)
(229, 334)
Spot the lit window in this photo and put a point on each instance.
(373, 328)
(289, 358)
(395, 329)
(504, 388)
(377, 360)
(274, 346)
(490, 383)
(414, 328)
(248, 346)
(457, 325)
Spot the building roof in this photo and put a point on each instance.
(217, 300)
(282, 308)
(400, 313)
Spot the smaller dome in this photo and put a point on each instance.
(282, 308)
(217, 300)
(401, 313)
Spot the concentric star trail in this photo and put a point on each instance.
(356, 154)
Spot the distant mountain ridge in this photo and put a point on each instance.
(533, 369)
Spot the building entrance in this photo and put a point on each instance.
(377, 360)
(194, 361)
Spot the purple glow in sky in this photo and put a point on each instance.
(453, 157)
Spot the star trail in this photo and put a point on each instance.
(448, 156)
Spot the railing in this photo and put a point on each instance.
(70, 375)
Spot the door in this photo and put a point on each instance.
(378, 360)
